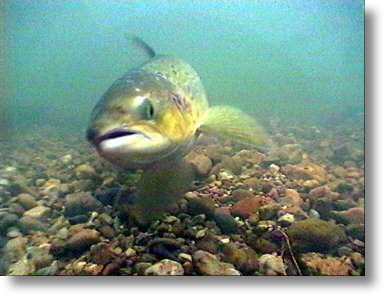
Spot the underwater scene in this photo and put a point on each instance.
(192, 138)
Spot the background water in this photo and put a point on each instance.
(300, 60)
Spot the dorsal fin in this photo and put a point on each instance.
(143, 46)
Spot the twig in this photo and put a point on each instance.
(291, 252)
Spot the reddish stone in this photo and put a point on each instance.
(245, 207)
(294, 196)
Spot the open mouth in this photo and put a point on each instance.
(114, 134)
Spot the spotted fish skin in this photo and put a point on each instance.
(178, 99)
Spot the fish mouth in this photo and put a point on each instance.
(117, 133)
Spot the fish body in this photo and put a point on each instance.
(150, 119)
(154, 112)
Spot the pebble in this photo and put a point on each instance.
(310, 184)
(225, 176)
(51, 187)
(130, 252)
(252, 183)
(351, 216)
(286, 220)
(165, 267)
(271, 265)
(294, 196)
(314, 214)
(80, 203)
(320, 191)
(185, 257)
(107, 231)
(201, 233)
(7, 221)
(39, 213)
(27, 201)
(4, 182)
(202, 164)
(170, 219)
(245, 207)
(66, 159)
(83, 240)
(313, 235)
(85, 171)
(27, 224)
(239, 194)
(274, 168)
(13, 233)
(208, 264)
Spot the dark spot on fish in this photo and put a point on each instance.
(179, 101)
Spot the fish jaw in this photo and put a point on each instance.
(132, 148)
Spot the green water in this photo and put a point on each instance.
(300, 60)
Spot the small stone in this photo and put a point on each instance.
(239, 194)
(66, 159)
(351, 216)
(245, 207)
(319, 192)
(130, 252)
(310, 184)
(27, 201)
(83, 240)
(268, 212)
(141, 267)
(243, 258)
(13, 233)
(107, 231)
(201, 233)
(208, 264)
(4, 182)
(40, 182)
(39, 213)
(344, 251)
(358, 260)
(170, 219)
(7, 221)
(165, 267)
(286, 220)
(80, 203)
(101, 254)
(225, 176)
(356, 231)
(252, 183)
(27, 224)
(271, 265)
(185, 257)
(312, 235)
(314, 214)
(51, 187)
(85, 171)
(202, 164)
(106, 219)
(274, 168)
(317, 265)
(306, 171)
(294, 196)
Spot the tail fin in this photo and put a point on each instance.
(143, 46)
(233, 124)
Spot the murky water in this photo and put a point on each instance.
(296, 67)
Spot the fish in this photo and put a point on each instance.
(151, 117)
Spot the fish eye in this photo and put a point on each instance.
(146, 110)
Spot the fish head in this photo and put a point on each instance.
(135, 123)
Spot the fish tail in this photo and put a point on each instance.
(231, 123)
(143, 46)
